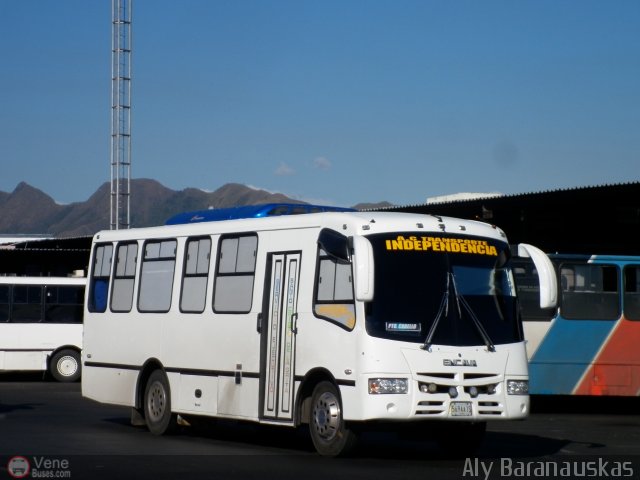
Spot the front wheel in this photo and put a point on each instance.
(157, 404)
(65, 366)
(329, 433)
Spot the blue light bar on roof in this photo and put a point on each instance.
(251, 211)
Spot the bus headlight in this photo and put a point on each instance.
(388, 385)
(518, 387)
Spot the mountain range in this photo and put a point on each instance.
(28, 210)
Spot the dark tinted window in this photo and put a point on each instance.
(63, 304)
(528, 287)
(589, 291)
(27, 304)
(632, 292)
(5, 292)
(439, 284)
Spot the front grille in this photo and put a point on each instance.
(449, 376)
(483, 389)
(430, 408)
(475, 376)
(490, 408)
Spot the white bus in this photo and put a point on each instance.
(334, 320)
(41, 325)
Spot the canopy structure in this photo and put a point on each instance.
(588, 220)
(45, 256)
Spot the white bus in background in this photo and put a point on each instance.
(41, 325)
(335, 320)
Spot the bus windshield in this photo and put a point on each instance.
(443, 289)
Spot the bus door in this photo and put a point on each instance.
(278, 329)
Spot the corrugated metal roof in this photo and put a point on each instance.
(504, 196)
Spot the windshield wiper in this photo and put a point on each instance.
(460, 300)
(444, 307)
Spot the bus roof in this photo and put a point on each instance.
(251, 211)
(347, 223)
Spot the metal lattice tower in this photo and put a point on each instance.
(120, 114)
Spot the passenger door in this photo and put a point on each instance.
(278, 330)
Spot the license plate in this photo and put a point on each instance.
(460, 409)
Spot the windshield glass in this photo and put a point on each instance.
(446, 280)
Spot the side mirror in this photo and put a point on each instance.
(363, 268)
(546, 274)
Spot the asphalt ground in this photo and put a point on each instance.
(62, 435)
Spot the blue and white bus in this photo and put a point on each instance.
(589, 345)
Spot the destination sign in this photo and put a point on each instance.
(441, 244)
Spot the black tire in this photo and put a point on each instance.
(327, 427)
(65, 366)
(157, 404)
(462, 439)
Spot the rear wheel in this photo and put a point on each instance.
(65, 366)
(157, 404)
(329, 433)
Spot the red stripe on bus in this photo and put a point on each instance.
(616, 368)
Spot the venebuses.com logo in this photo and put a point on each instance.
(19, 466)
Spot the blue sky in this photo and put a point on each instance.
(335, 102)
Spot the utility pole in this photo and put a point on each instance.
(120, 114)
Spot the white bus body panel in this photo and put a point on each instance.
(420, 366)
(27, 346)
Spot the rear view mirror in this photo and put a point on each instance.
(363, 268)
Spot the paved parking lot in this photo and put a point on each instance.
(49, 423)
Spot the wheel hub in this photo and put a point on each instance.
(156, 401)
(326, 416)
(67, 366)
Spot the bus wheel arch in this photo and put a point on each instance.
(305, 392)
(320, 405)
(145, 372)
(139, 412)
(65, 364)
(153, 400)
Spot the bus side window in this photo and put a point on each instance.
(156, 276)
(567, 279)
(5, 295)
(124, 277)
(195, 275)
(27, 304)
(589, 291)
(333, 299)
(63, 304)
(235, 272)
(100, 275)
(632, 292)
